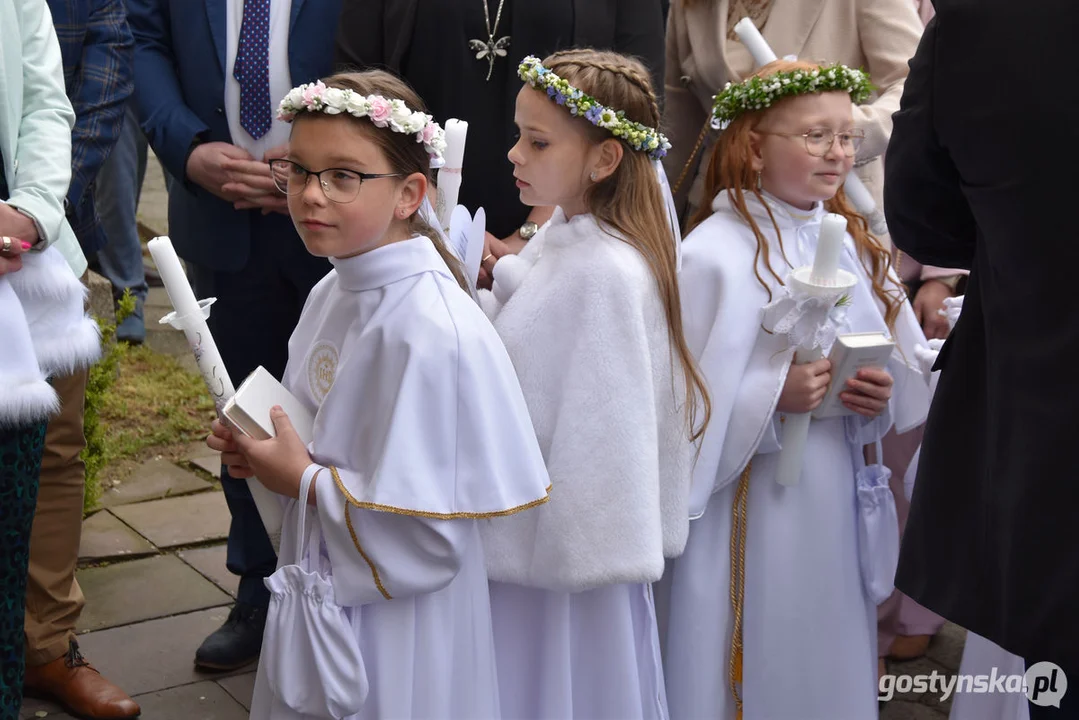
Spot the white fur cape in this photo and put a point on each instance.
(44, 331)
(586, 329)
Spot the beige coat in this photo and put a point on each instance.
(879, 36)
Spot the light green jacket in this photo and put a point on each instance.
(35, 123)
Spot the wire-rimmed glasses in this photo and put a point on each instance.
(819, 141)
(339, 185)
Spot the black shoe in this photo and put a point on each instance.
(236, 643)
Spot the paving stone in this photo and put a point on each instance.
(947, 646)
(139, 590)
(156, 654)
(209, 463)
(210, 562)
(200, 701)
(32, 706)
(178, 521)
(240, 687)
(104, 536)
(152, 480)
(903, 710)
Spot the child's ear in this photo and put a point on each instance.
(609, 155)
(756, 155)
(411, 195)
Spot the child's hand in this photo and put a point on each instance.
(222, 441)
(280, 461)
(805, 387)
(869, 392)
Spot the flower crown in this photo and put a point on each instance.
(637, 136)
(758, 93)
(382, 112)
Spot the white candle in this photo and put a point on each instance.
(751, 37)
(829, 247)
(189, 318)
(449, 177)
(456, 131)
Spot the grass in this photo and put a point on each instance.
(156, 408)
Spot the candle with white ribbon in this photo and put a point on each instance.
(190, 317)
(856, 190)
(823, 279)
(449, 176)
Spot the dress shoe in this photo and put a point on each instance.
(79, 688)
(236, 643)
(909, 647)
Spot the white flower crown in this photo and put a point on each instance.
(382, 112)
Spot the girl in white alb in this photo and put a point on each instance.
(589, 314)
(772, 607)
(420, 432)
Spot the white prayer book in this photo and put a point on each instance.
(249, 409)
(850, 353)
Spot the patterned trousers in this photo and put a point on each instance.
(20, 463)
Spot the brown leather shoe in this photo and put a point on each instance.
(79, 688)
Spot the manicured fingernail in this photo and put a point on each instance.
(26, 245)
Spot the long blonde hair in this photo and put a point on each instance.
(730, 168)
(630, 200)
(405, 155)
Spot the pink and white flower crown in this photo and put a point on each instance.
(382, 112)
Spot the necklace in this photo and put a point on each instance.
(491, 49)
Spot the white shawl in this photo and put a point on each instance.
(45, 331)
(586, 329)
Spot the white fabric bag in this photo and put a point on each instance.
(878, 526)
(310, 652)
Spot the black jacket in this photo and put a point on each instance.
(979, 176)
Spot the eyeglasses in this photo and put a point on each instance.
(338, 184)
(819, 142)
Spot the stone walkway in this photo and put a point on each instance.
(153, 572)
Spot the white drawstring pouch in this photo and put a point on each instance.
(878, 526)
(310, 653)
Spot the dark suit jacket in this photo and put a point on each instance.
(180, 94)
(383, 29)
(979, 176)
(96, 45)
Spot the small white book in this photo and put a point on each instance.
(850, 353)
(249, 409)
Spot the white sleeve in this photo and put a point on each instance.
(379, 556)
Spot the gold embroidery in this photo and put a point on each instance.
(433, 515)
(738, 584)
(356, 542)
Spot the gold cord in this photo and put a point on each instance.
(738, 584)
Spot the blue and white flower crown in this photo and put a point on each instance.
(637, 136)
(382, 112)
(758, 93)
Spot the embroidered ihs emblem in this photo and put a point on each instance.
(321, 369)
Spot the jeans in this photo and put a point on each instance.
(119, 185)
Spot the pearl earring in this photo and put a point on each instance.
(593, 177)
(759, 186)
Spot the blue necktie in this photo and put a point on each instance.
(252, 68)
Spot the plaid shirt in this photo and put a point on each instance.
(97, 48)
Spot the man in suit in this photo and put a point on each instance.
(96, 48)
(976, 178)
(208, 77)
